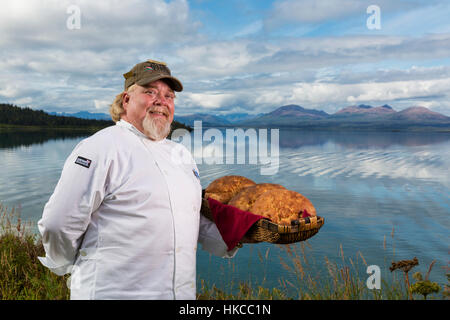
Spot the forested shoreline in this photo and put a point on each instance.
(15, 115)
(12, 116)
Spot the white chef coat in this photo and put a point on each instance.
(125, 219)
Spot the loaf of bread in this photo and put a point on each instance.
(282, 206)
(225, 188)
(270, 200)
(245, 199)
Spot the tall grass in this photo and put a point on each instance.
(22, 277)
(345, 279)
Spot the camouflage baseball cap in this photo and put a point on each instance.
(149, 71)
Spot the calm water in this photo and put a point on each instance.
(384, 195)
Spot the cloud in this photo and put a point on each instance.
(250, 29)
(310, 11)
(219, 58)
(104, 24)
(371, 91)
(313, 13)
(112, 35)
(418, 20)
(323, 73)
(350, 75)
(24, 101)
(45, 56)
(210, 100)
(326, 96)
(52, 67)
(9, 91)
(244, 57)
(102, 104)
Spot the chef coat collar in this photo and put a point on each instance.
(133, 129)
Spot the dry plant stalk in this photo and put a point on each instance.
(405, 266)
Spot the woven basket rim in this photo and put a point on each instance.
(305, 224)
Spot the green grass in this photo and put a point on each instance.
(341, 281)
(22, 277)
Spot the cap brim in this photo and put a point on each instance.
(173, 82)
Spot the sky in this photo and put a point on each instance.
(231, 56)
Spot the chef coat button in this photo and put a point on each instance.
(178, 250)
(83, 253)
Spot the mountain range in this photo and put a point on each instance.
(83, 115)
(355, 116)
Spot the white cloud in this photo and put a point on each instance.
(209, 100)
(327, 96)
(298, 56)
(252, 28)
(9, 91)
(102, 104)
(372, 92)
(103, 23)
(46, 57)
(74, 70)
(399, 90)
(24, 101)
(114, 35)
(316, 72)
(219, 58)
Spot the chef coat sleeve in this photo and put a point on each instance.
(78, 193)
(212, 241)
(209, 236)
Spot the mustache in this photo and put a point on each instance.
(163, 110)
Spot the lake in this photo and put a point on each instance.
(384, 197)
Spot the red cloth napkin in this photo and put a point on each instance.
(232, 222)
(305, 214)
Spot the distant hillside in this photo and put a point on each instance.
(214, 120)
(364, 110)
(239, 117)
(14, 115)
(287, 116)
(418, 114)
(293, 110)
(357, 117)
(207, 119)
(83, 115)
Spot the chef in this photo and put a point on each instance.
(124, 218)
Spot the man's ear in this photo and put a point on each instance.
(125, 100)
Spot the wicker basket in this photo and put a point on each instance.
(265, 230)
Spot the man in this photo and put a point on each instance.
(124, 218)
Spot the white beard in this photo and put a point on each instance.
(155, 129)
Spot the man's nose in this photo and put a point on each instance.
(160, 99)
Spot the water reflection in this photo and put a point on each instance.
(360, 140)
(289, 138)
(18, 138)
(363, 183)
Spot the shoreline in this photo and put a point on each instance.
(24, 278)
(14, 127)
